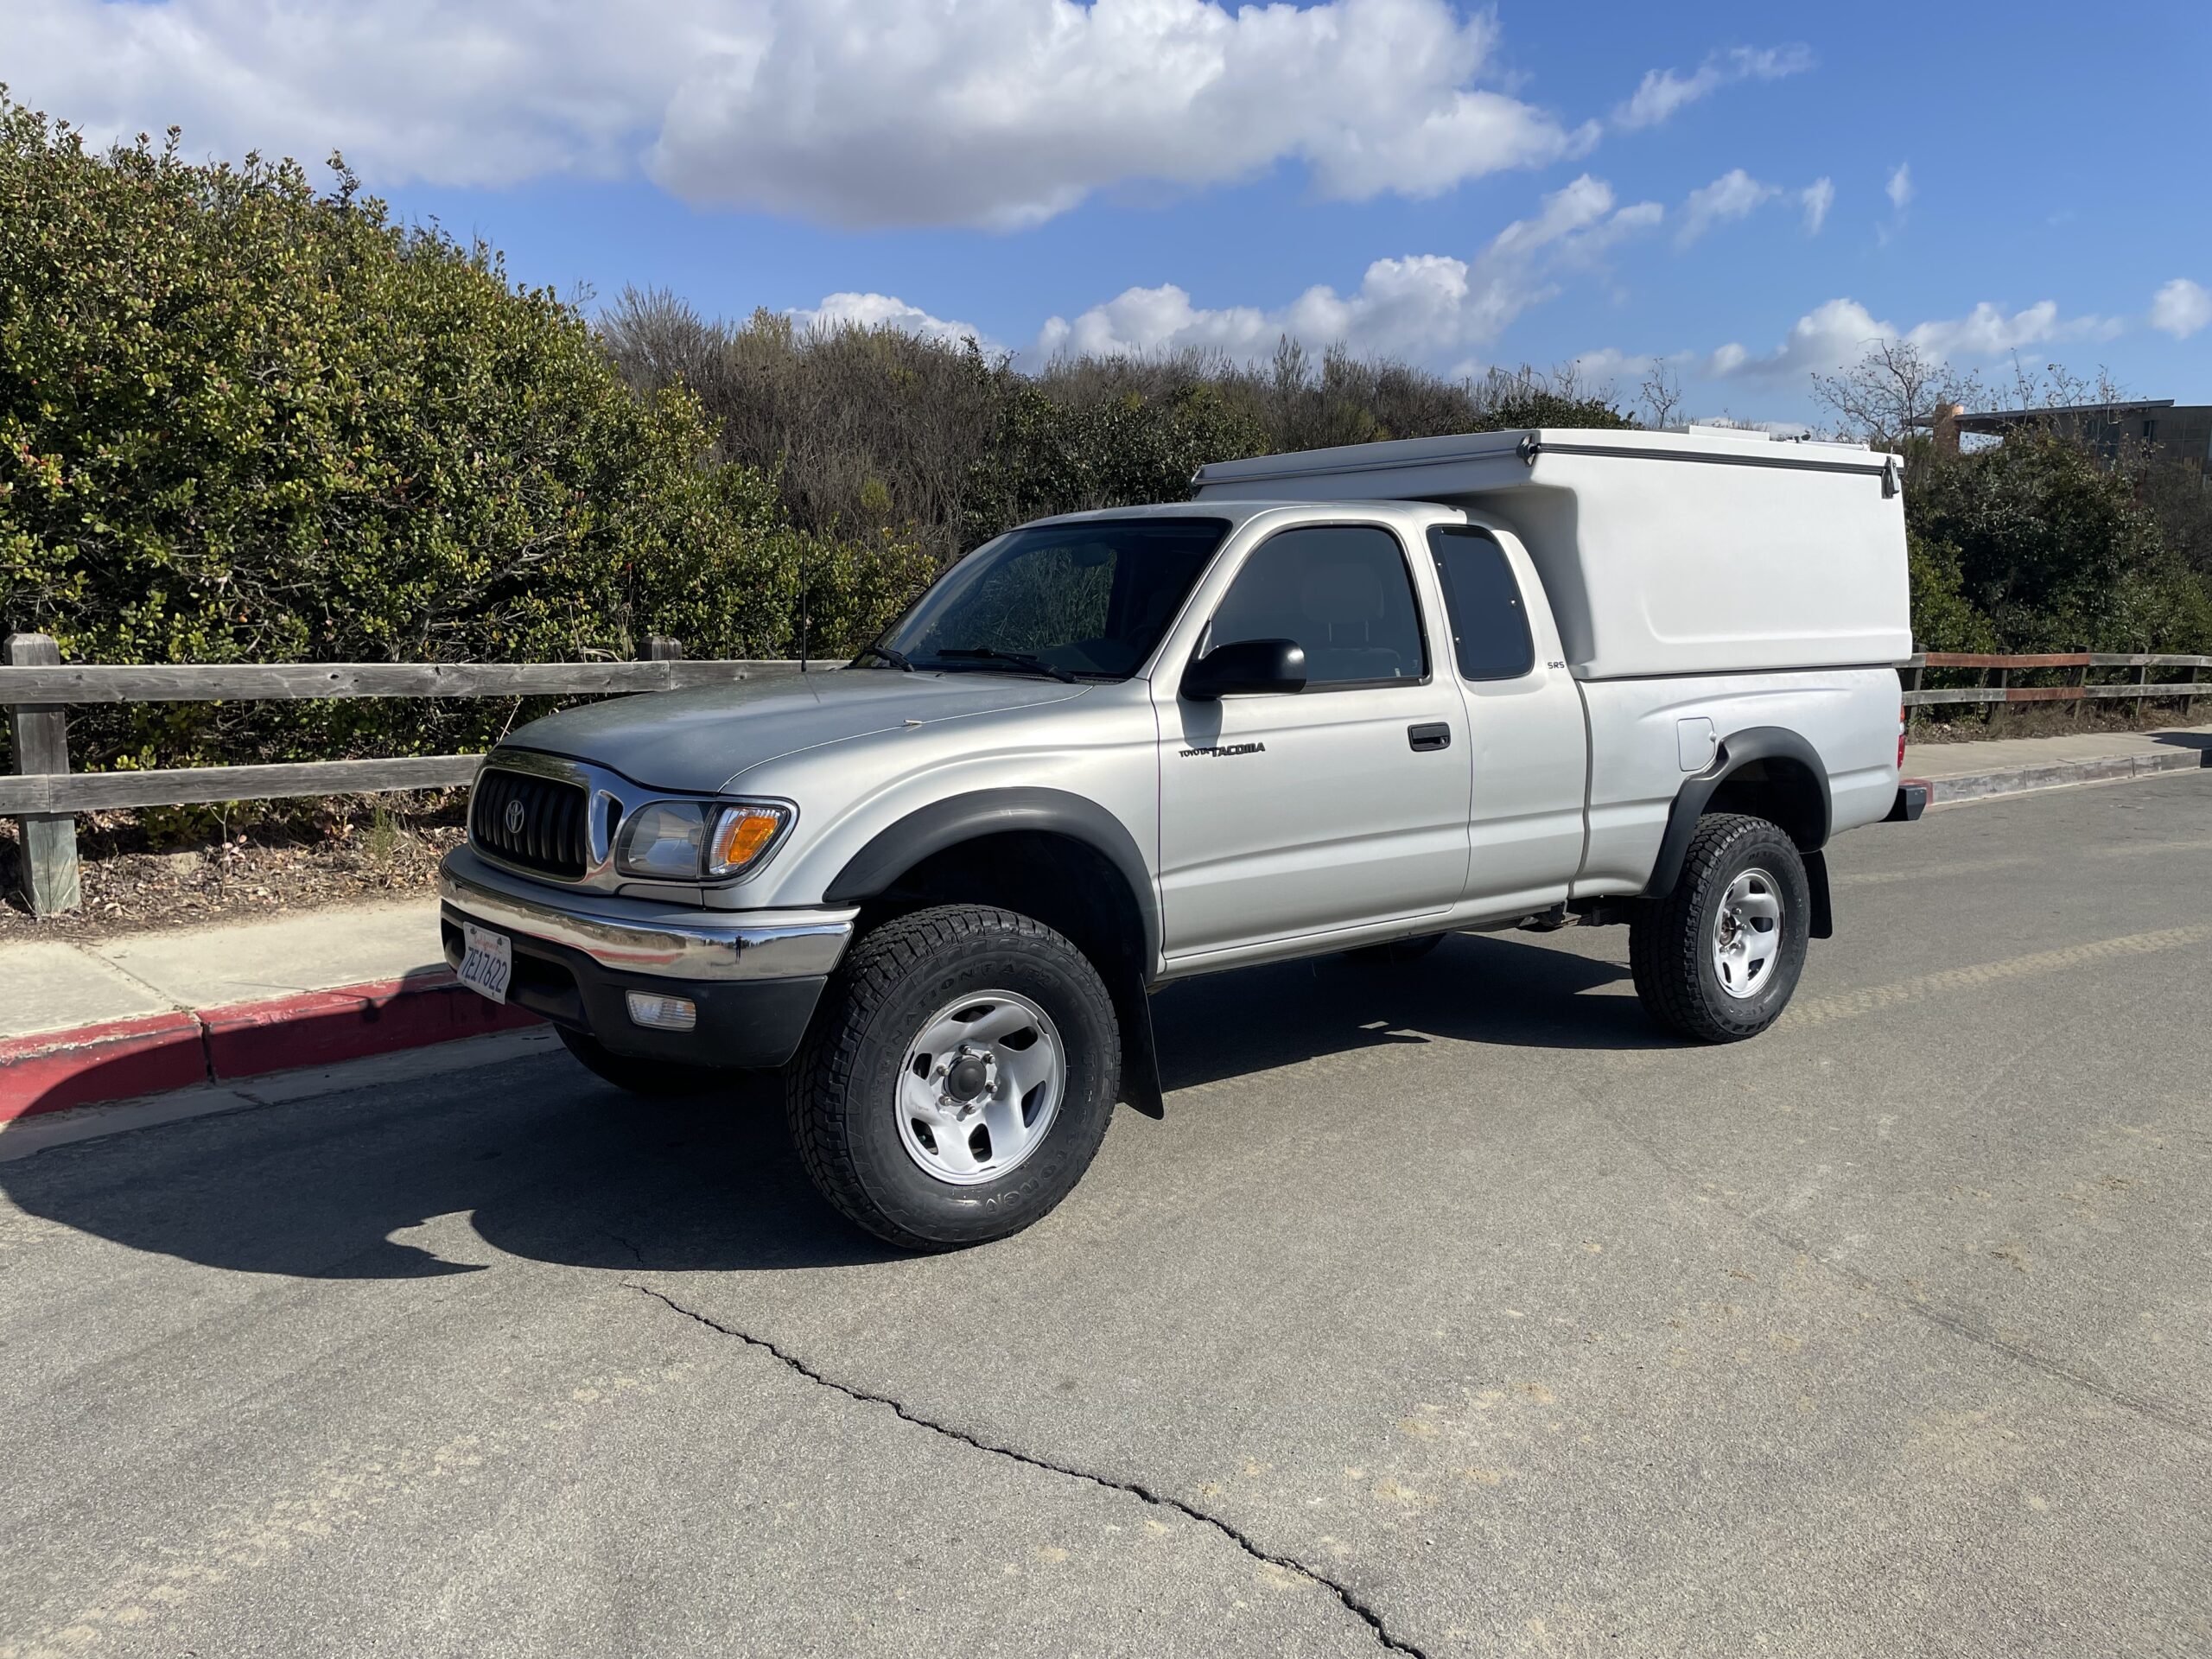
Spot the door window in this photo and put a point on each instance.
(1490, 623)
(1342, 592)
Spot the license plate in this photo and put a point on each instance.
(487, 961)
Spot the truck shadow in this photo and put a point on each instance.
(2201, 742)
(1473, 987)
(538, 1160)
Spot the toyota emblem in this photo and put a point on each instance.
(515, 817)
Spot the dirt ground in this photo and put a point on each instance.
(329, 852)
(1967, 724)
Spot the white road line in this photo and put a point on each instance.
(1929, 871)
(2137, 848)
(1823, 1010)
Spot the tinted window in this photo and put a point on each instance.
(1092, 597)
(1490, 625)
(1342, 592)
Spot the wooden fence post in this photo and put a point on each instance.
(659, 648)
(42, 739)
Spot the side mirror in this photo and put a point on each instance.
(1246, 666)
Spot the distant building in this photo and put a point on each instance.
(2159, 426)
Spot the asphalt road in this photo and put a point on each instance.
(1451, 1310)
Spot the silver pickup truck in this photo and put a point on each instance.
(1114, 749)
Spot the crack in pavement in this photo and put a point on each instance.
(1352, 1604)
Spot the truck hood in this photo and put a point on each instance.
(697, 741)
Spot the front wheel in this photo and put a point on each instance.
(1717, 958)
(958, 1078)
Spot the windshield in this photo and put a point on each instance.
(1091, 599)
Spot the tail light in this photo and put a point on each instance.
(1901, 713)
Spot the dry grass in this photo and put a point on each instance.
(347, 851)
(1971, 725)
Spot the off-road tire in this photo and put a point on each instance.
(841, 1093)
(1669, 941)
(650, 1079)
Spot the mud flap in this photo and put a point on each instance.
(1140, 1052)
(1816, 882)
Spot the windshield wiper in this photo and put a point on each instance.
(1012, 658)
(898, 659)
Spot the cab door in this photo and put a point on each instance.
(1291, 814)
(1528, 744)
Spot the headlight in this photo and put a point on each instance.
(698, 841)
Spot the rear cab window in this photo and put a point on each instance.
(1490, 638)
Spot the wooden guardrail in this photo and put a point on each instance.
(44, 795)
(2078, 690)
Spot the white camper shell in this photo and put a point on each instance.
(1705, 552)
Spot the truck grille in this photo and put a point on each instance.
(539, 823)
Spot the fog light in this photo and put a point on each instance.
(663, 1013)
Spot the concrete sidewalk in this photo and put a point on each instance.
(57, 985)
(83, 1024)
(2010, 765)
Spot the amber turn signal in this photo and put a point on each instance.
(742, 835)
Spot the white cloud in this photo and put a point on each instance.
(434, 90)
(1735, 194)
(1425, 307)
(2181, 307)
(1832, 335)
(881, 310)
(1987, 331)
(1816, 199)
(1610, 366)
(994, 112)
(1662, 92)
(1899, 188)
(1825, 338)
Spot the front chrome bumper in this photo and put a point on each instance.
(685, 944)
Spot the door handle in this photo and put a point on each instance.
(1436, 735)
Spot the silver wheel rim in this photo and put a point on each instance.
(1747, 934)
(981, 1086)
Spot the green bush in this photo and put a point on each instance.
(2035, 544)
(1943, 619)
(875, 432)
(240, 421)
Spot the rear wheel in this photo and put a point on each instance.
(1717, 958)
(653, 1079)
(958, 1078)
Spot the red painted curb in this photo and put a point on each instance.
(112, 1061)
(125, 1058)
(322, 1027)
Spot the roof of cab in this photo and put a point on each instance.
(1239, 511)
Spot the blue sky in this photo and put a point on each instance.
(1454, 186)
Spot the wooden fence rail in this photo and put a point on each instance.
(286, 682)
(44, 795)
(2079, 689)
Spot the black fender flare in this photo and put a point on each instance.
(1736, 751)
(896, 849)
